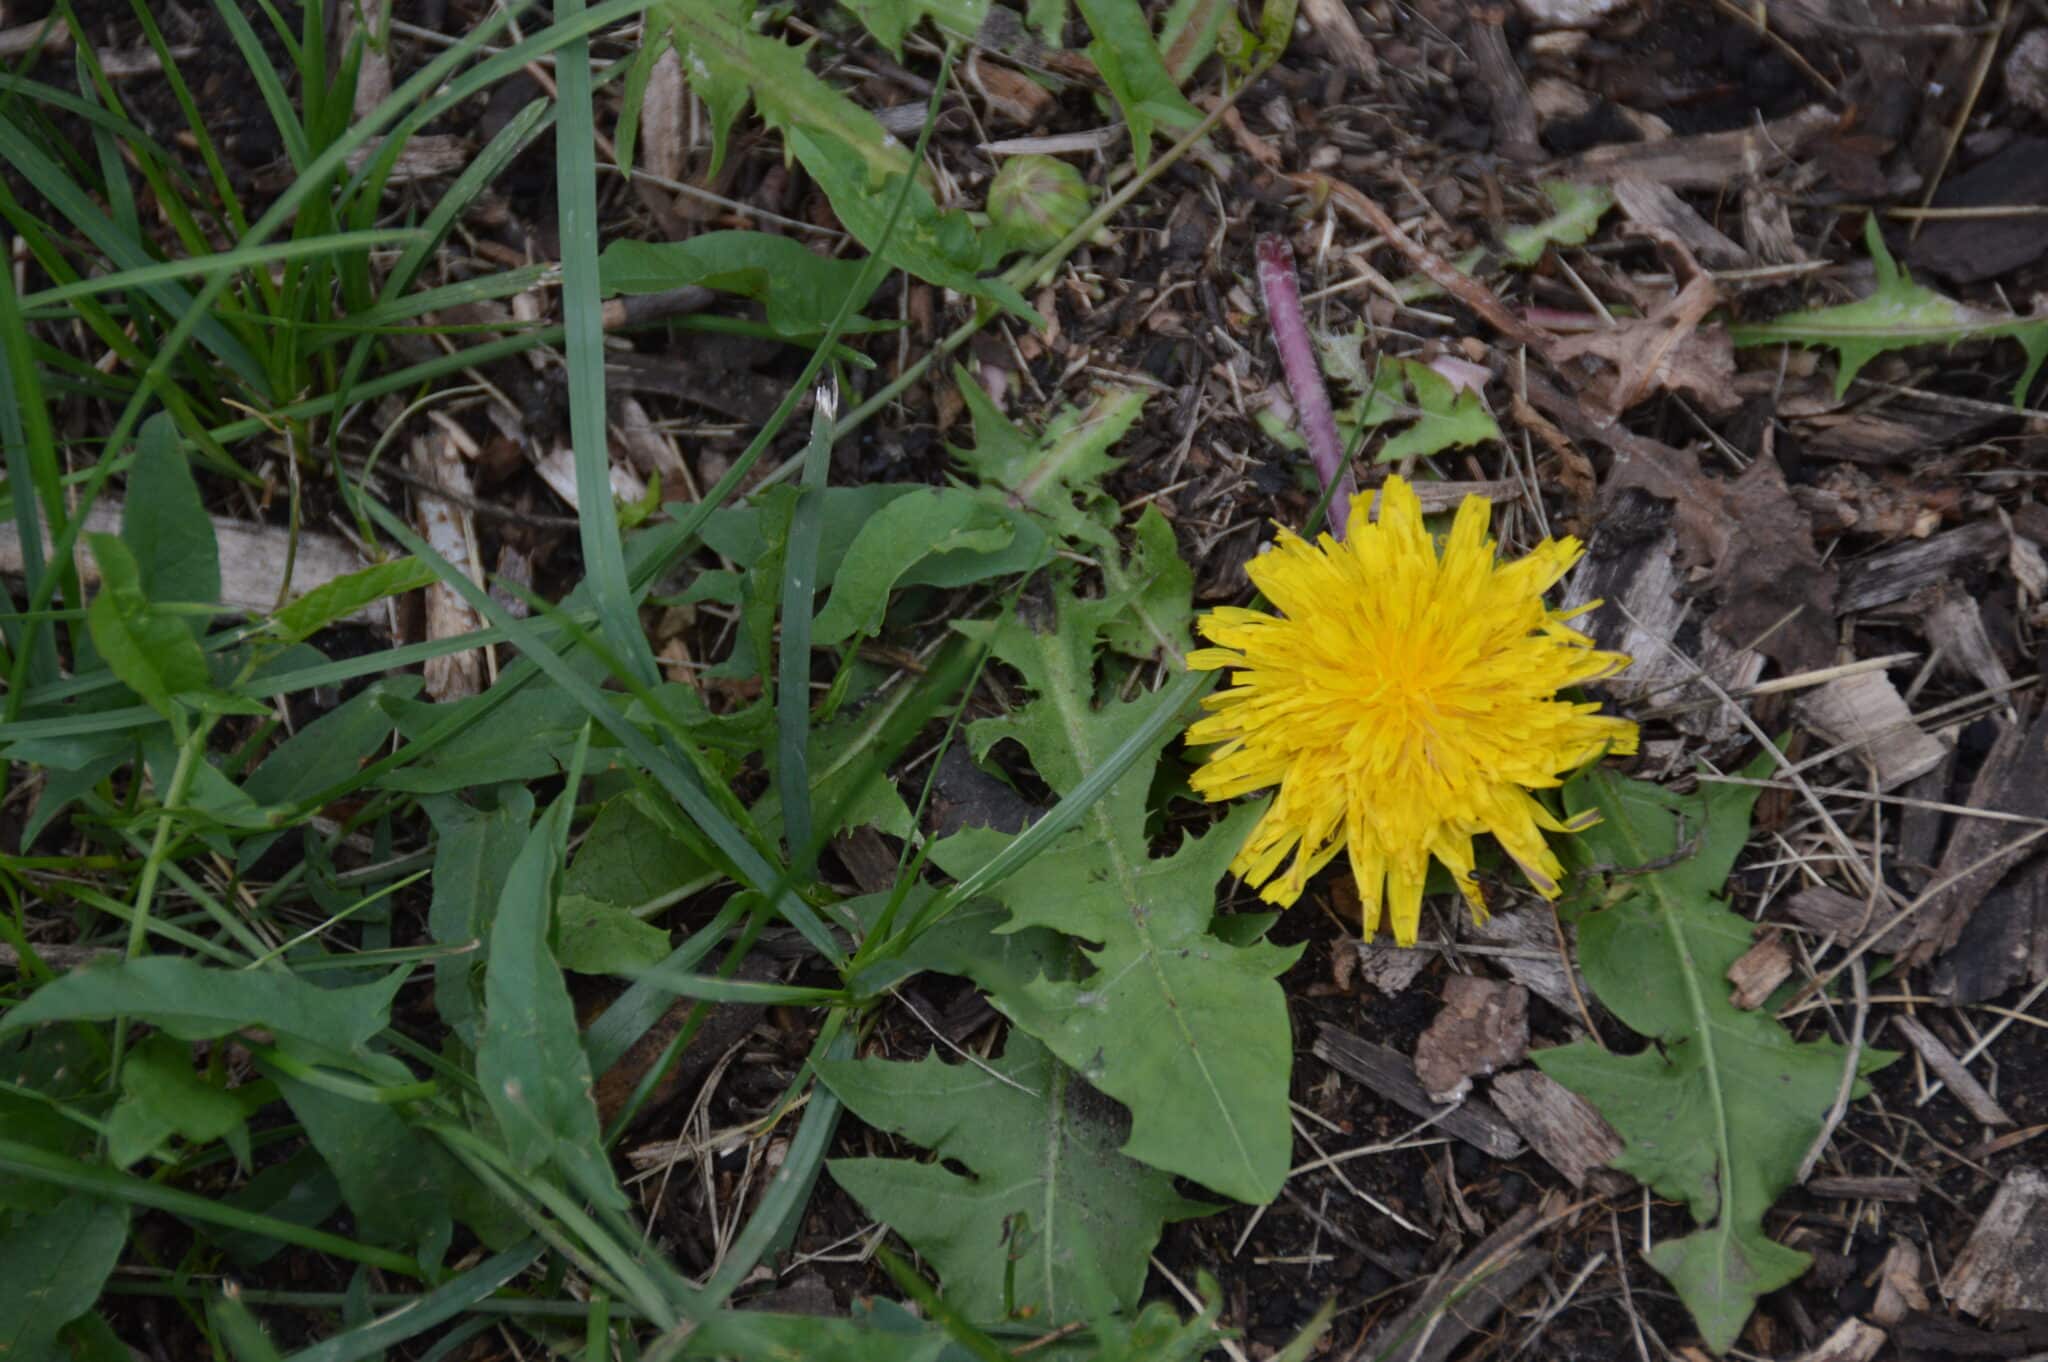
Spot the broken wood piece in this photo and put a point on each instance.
(1562, 1127)
(1982, 851)
(1864, 711)
(1527, 952)
(1865, 1188)
(1390, 969)
(1510, 107)
(2004, 1267)
(1898, 1284)
(2003, 943)
(1845, 917)
(435, 461)
(1333, 23)
(1483, 1025)
(1955, 625)
(1650, 204)
(1972, 1094)
(1895, 573)
(1758, 971)
(1711, 160)
(252, 559)
(1389, 1074)
(1465, 1298)
(1852, 1341)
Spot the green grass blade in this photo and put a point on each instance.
(268, 83)
(224, 262)
(793, 658)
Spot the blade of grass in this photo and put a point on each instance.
(417, 1314)
(793, 657)
(59, 1171)
(223, 262)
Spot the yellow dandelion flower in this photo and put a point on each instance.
(1403, 701)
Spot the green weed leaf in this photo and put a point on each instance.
(1719, 1110)
(474, 851)
(1445, 417)
(1050, 1222)
(891, 20)
(531, 1064)
(842, 146)
(800, 289)
(344, 596)
(927, 537)
(1128, 59)
(194, 1002)
(153, 652)
(164, 1096)
(595, 937)
(1056, 475)
(1900, 313)
(54, 1265)
(1576, 213)
(165, 525)
(1188, 1032)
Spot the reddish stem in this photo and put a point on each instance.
(1282, 294)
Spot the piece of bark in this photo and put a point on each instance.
(1389, 1074)
(1651, 204)
(1852, 1341)
(1334, 24)
(1390, 969)
(1968, 249)
(1707, 160)
(558, 470)
(1955, 625)
(1865, 1188)
(1895, 573)
(1920, 826)
(1464, 1299)
(1897, 435)
(1848, 919)
(1562, 1127)
(252, 559)
(1936, 1338)
(1529, 938)
(2003, 944)
(1898, 1284)
(664, 117)
(1972, 1094)
(1865, 712)
(1647, 610)
(435, 461)
(1483, 1025)
(2009, 782)
(2005, 1264)
(1510, 108)
(1758, 971)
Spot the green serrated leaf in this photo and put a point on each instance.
(530, 1062)
(1158, 586)
(858, 164)
(1058, 474)
(1576, 213)
(595, 937)
(630, 858)
(1722, 1107)
(164, 522)
(891, 20)
(194, 1002)
(932, 536)
(1188, 1032)
(1899, 314)
(1445, 417)
(344, 596)
(1050, 1222)
(801, 290)
(153, 652)
(1128, 59)
(54, 1265)
(473, 855)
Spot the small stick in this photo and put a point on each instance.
(1282, 293)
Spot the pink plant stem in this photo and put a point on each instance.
(1282, 294)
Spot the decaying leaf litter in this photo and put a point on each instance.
(1725, 300)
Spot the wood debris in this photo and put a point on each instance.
(1848, 919)
(1982, 851)
(1898, 1284)
(435, 461)
(1483, 1025)
(1758, 971)
(1527, 952)
(1707, 160)
(1390, 1074)
(1894, 574)
(1865, 1188)
(252, 559)
(1865, 713)
(1955, 625)
(2004, 1267)
(1852, 1341)
(1465, 1298)
(1562, 1127)
(1972, 1094)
